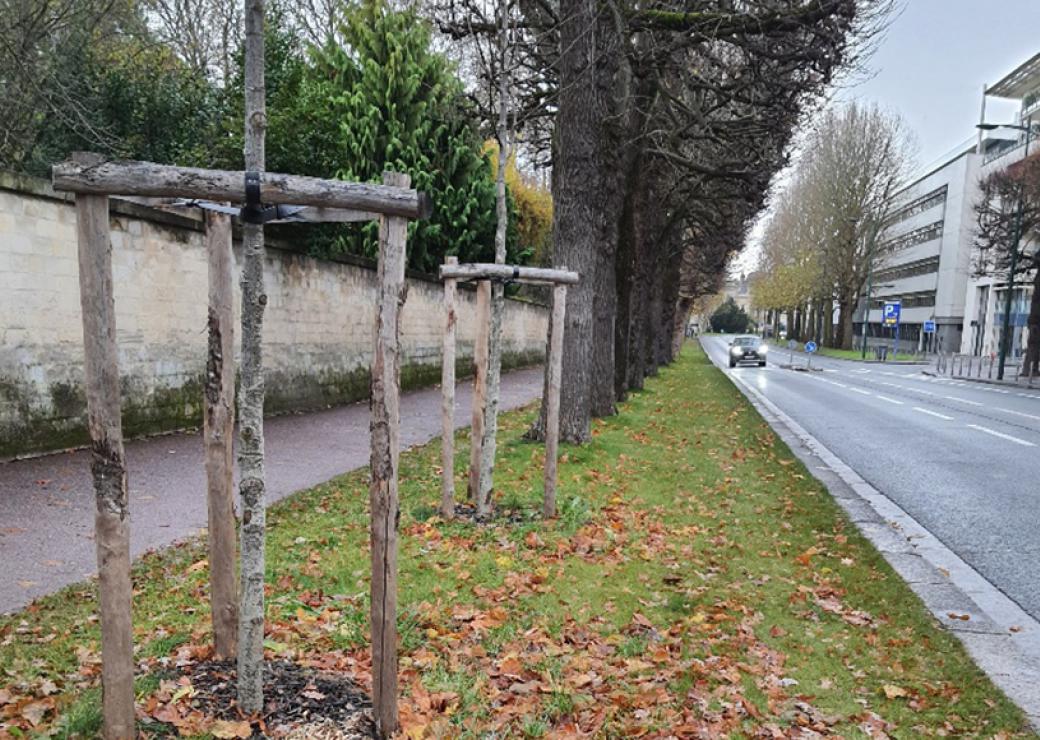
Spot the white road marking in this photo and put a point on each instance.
(1019, 413)
(894, 385)
(860, 390)
(1008, 437)
(963, 400)
(936, 414)
(835, 382)
(890, 400)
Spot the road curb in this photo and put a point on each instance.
(1002, 639)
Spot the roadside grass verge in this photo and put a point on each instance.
(699, 582)
(855, 354)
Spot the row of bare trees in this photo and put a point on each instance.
(668, 123)
(829, 224)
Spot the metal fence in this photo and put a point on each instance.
(985, 367)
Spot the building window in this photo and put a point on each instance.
(918, 205)
(909, 300)
(911, 269)
(911, 238)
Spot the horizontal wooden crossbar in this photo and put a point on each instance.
(485, 271)
(96, 175)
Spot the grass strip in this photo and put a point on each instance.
(699, 582)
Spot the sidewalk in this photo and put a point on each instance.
(1020, 382)
(47, 503)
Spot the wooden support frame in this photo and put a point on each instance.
(560, 278)
(93, 179)
(480, 368)
(111, 177)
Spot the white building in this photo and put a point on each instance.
(922, 259)
(986, 295)
(927, 258)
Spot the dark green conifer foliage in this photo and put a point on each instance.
(399, 106)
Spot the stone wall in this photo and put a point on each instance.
(317, 332)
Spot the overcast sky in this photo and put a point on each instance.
(930, 68)
(935, 58)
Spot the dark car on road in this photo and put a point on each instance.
(747, 349)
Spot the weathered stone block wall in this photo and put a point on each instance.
(318, 328)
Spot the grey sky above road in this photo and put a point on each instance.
(935, 58)
(930, 68)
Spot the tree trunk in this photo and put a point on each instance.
(252, 478)
(386, 449)
(682, 316)
(218, 433)
(448, 397)
(108, 466)
(1032, 361)
(625, 289)
(668, 287)
(846, 307)
(485, 481)
(616, 146)
(576, 216)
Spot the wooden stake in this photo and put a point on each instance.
(552, 401)
(165, 181)
(386, 447)
(448, 398)
(480, 367)
(532, 275)
(218, 433)
(108, 466)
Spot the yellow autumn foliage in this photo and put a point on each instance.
(533, 208)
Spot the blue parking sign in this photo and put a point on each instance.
(890, 313)
(929, 327)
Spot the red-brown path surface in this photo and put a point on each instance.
(47, 503)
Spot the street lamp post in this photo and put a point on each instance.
(1005, 343)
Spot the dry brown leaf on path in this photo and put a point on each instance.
(230, 729)
(35, 711)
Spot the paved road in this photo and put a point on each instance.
(47, 503)
(962, 458)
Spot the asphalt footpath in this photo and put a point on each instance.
(47, 503)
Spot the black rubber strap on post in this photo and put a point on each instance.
(253, 212)
(504, 280)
